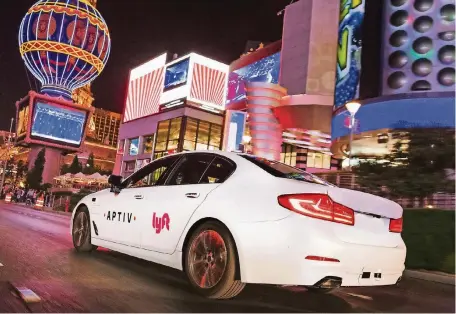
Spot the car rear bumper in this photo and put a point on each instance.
(275, 253)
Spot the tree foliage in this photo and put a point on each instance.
(75, 166)
(35, 175)
(416, 167)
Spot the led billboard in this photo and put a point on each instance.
(349, 51)
(51, 121)
(58, 124)
(176, 74)
(234, 129)
(264, 70)
(208, 86)
(145, 89)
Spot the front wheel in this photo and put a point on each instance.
(210, 262)
(81, 232)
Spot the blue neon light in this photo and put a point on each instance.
(429, 112)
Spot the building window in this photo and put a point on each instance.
(148, 143)
(133, 147)
(202, 135)
(318, 160)
(129, 168)
(168, 132)
(288, 155)
(198, 135)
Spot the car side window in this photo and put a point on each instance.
(153, 174)
(190, 169)
(219, 170)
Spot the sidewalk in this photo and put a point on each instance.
(44, 209)
(447, 279)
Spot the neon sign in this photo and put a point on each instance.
(349, 51)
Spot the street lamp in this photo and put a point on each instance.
(352, 108)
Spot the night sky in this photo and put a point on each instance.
(140, 31)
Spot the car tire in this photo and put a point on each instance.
(201, 268)
(81, 232)
(320, 290)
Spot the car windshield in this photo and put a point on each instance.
(281, 170)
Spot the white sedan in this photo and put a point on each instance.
(229, 219)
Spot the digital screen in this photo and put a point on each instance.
(266, 70)
(349, 51)
(133, 149)
(145, 89)
(236, 129)
(176, 74)
(59, 124)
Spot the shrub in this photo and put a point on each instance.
(429, 236)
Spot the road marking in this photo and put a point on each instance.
(365, 297)
(26, 294)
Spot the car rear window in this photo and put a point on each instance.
(281, 170)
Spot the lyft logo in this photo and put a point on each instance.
(160, 223)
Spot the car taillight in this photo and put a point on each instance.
(319, 206)
(396, 225)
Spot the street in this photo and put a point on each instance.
(36, 252)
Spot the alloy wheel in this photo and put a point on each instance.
(80, 229)
(207, 259)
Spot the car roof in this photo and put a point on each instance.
(217, 152)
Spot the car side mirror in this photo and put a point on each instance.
(115, 182)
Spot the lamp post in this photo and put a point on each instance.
(352, 108)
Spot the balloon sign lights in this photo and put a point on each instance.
(65, 44)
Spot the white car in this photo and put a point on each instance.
(229, 219)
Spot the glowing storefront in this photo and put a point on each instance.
(280, 97)
(171, 107)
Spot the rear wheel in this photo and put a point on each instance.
(81, 231)
(210, 262)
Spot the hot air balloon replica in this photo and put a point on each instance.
(65, 44)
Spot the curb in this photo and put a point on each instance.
(430, 276)
(55, 212)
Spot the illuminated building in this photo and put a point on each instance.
(83, 96)
(399, 64)
(105, 127)
(280, 96)
(171, 107)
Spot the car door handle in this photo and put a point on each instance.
(192, 195)
(139, 197)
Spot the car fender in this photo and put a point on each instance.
(207, 211)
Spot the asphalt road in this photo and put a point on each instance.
(36, 252)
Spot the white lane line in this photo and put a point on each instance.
(28, 295)
(365, 297)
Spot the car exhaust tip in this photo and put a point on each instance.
(329, 283)
(398, 281)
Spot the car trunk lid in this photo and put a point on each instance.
(372, 218)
